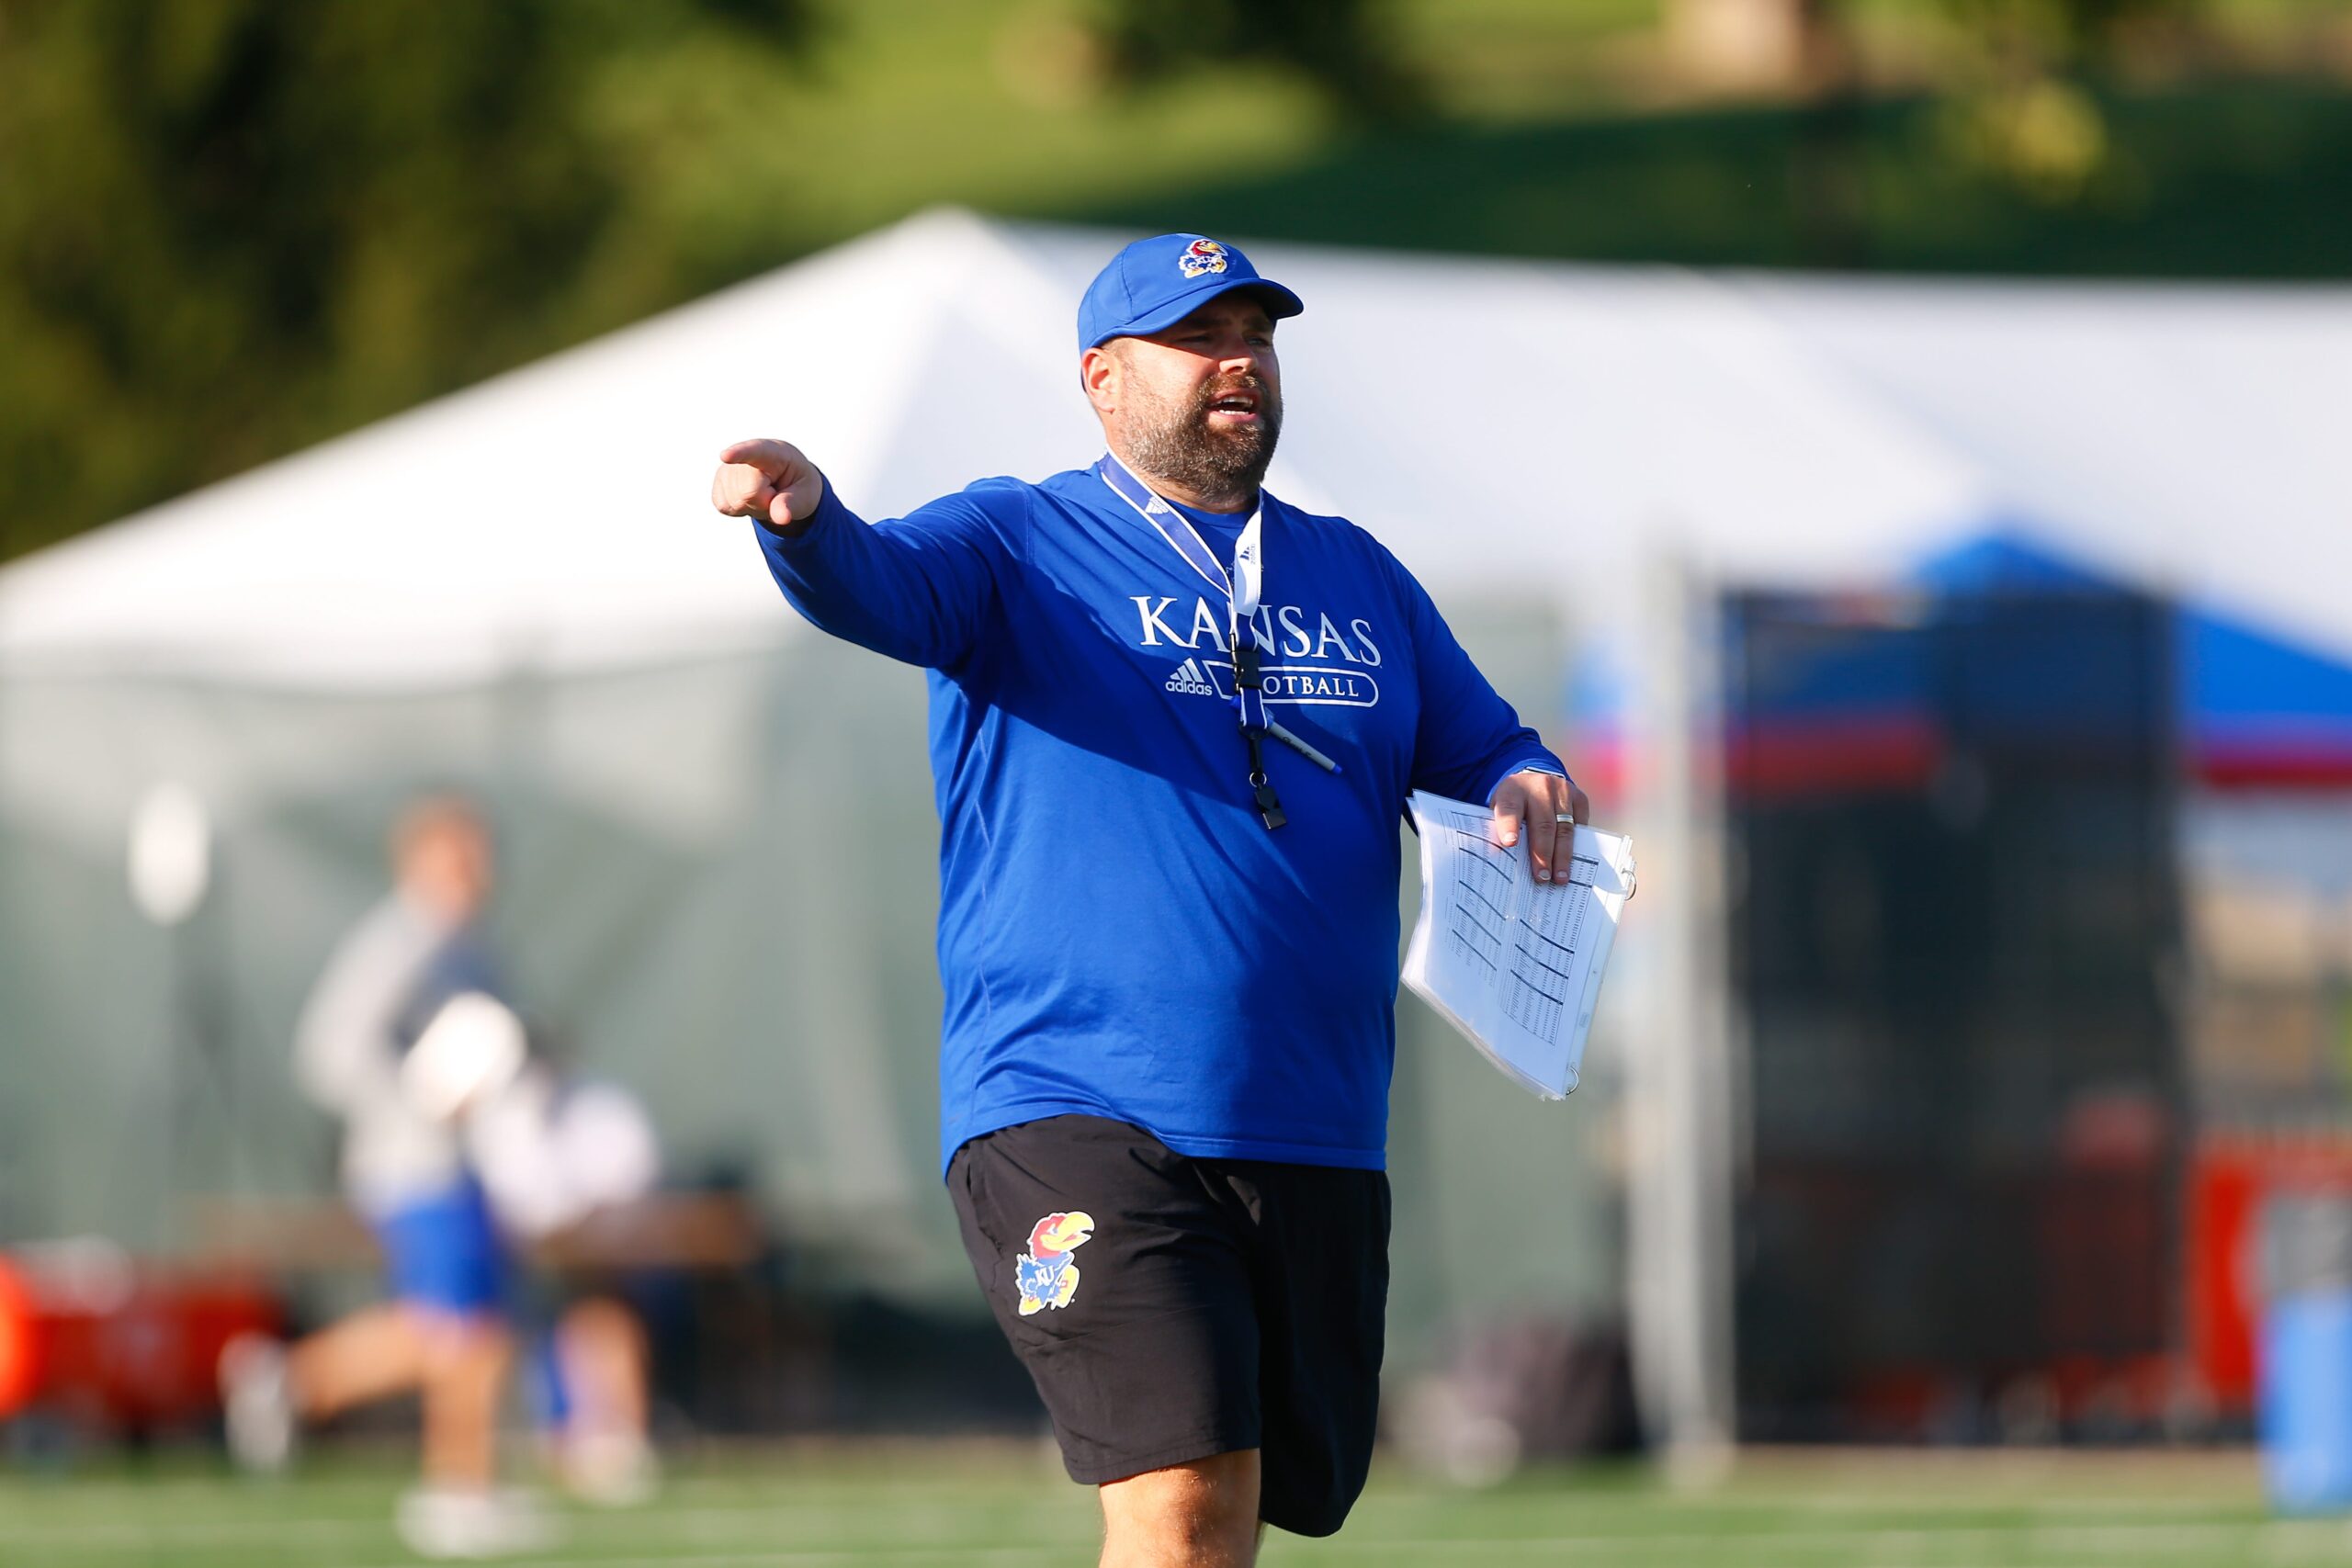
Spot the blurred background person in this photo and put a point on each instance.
(381, 1047)
(555, 1154)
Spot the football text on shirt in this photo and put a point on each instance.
(1335, 674)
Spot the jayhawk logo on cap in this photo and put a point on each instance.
(1045, 1275)
(1200, 256)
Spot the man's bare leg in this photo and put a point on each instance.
(602, 1451)
(464, 1373)
(1202, 1514)
(373, 1354)
(603, 1352)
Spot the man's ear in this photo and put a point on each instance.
(1099, 371)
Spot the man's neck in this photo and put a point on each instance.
(1183, 494)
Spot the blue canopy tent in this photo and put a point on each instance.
(2253, 710)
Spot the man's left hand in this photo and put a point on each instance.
(1543, 806)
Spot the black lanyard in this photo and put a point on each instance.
(1242, 589)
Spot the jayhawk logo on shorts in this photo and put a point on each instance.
(1200, 256)
(1044, 1274)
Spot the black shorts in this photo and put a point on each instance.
(1170, 1308)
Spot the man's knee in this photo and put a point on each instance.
(459, 1343)
(1202, 1513)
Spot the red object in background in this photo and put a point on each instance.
(2229, 1180)
(1779, 757)
(1602, 765)
(2312, 756)
(19, 1370)
(124, 1348)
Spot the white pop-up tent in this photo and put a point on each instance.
(717, 823)
(1489, 419)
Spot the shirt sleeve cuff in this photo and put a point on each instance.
(1541, 763)
(829, 511)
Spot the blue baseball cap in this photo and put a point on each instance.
(1157, 282)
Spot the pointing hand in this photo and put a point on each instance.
(771, 481)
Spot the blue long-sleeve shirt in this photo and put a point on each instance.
(1119, 934)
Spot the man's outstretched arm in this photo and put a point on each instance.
(917, 590)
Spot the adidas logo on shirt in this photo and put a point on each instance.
(1188, 681)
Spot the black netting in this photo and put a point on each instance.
(1953, 905)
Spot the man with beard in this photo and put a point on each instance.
(1174, 725)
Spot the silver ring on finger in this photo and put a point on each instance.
(1565, 819)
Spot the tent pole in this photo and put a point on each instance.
(1680, 1073)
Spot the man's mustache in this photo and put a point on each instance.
(1269, 401)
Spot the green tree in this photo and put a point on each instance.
(2064, 35)
(229, 227)
(1343, 46)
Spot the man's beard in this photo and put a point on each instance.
(1222, 465)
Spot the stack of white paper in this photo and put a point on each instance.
(1513, 962)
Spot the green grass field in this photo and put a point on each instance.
(917, 1508)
